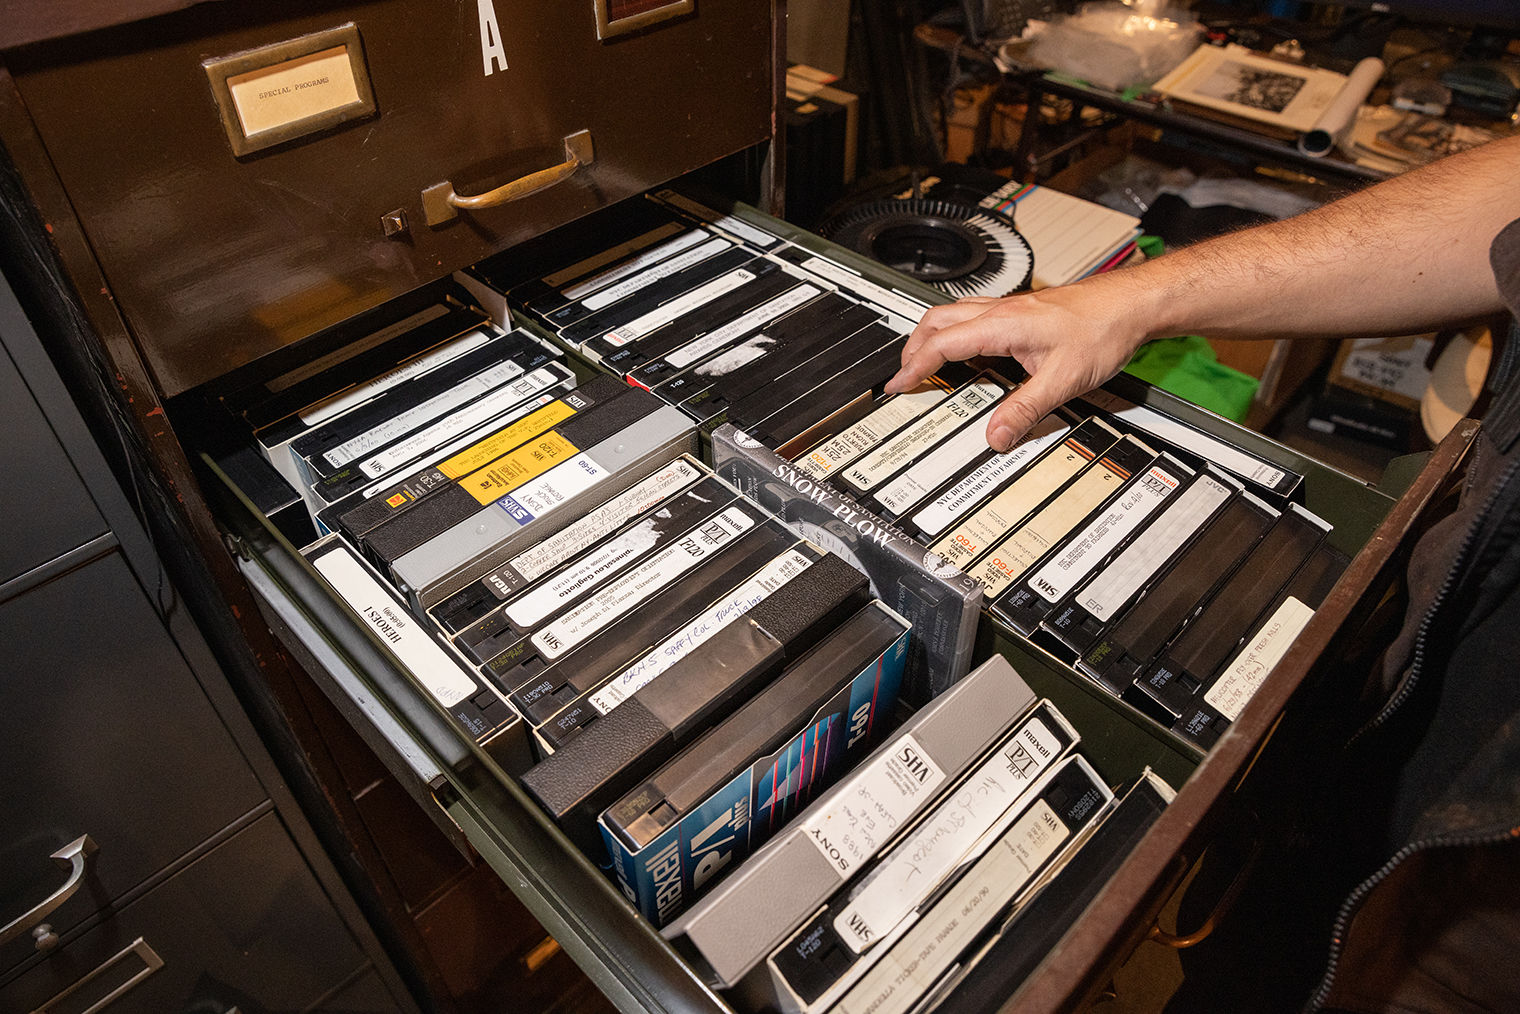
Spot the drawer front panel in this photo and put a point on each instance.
(217, 258)
(245, 927)
(104, 732)
(47, 509)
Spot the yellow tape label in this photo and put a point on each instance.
(503, 440)
(510, 471)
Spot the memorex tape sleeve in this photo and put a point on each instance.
(731, 930)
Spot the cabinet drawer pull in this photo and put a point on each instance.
(440, 203)
(151, 963)
(75, 856)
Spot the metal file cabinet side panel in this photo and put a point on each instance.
(217, 258)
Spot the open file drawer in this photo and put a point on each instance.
(581, 906)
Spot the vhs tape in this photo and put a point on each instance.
(358, 515)
(712, 270)
(472, 548)
(907, 446)
(833, 949)
(452, 433)
(798, 573)
(838, 450)
(736, 227)
(1060, 816)
(840, 399)
(1194, 654)
(1223, 696)
(1086, 613)
(948, 506)
(942, 603)
(731, 930)
(1106, 533)
(692, 525)
(724, 795)
(476, 709)
(480, 595)
(800, 386)
(301, 400)
(984, 980)
(573, 654)
(1122, 651)
(725, 347)
(608, 757)
(626, 279)
(1011, 557)
(1021, 495)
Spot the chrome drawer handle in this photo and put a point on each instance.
(440, 203)
(139, 949)
(75, 855)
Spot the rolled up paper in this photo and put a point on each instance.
(1321, 139)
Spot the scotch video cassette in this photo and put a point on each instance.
(480, 595)
(608, 757)
(723, 796)
(942, 603)
(834, 948)
(1021, 496)
(1009, 559)
(741, 920)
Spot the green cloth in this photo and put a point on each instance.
(1188, 368)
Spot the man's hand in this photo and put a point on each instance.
(1070, 340)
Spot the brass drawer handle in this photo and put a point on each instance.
(440, 203)
(75, 855)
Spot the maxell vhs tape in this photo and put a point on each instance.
(730, 931)
(941, 602)
(1069, 803)
(606, 758)
(728, 792)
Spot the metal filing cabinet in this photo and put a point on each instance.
(145, 863)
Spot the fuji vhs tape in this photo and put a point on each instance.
(608, 757)
(729, 932)
(838, 450)
(701, 813)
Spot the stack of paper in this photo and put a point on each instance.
(1071, 238)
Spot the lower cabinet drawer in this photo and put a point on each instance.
(244, 928)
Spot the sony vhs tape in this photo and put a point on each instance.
(729, 932)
